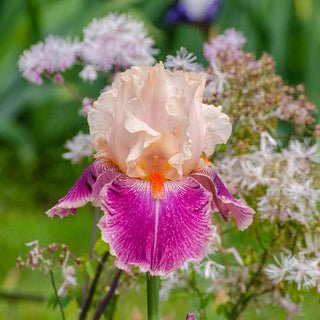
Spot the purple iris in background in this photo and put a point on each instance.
(154, 186)
(194, 11)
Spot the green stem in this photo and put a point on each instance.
(56, 294)
(153, 297)
(195, 288)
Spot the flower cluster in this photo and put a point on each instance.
(290, 179)
(249, 90)
(295, 107)
(224, 47)
(48, 58)
(79, 147)
(44, 259)
(114, 41)
(301, 269)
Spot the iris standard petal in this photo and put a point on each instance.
(86, 189)
(222, 200)
(157, 235)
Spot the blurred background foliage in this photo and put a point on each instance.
(36, 121)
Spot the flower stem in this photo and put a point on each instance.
(103, 305)
(153, 297)
(93, 240)
(93, 287)
(75, 94)
(56, 294)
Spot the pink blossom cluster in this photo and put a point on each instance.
(50, 57)
(43, 259)
(229, 43)
(250, 91)
(116, 40)
(113, 41)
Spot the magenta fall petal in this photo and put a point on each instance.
(222, 200)
(87, 188)
(156, 235)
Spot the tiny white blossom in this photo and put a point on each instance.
(89, 72)
(305, 273)
(236, 255)
(277, 272)
(184, 60)
(312, 246)
(79, 147)
(34, 255)
(210, 269)
(69, 280)
(168, 283)
(218, 83)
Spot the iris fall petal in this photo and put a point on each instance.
(86, 189)
(156, 235)
(222, 200)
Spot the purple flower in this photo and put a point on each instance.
(194, 11)
(156, 190)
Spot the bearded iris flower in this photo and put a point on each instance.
(155, 188)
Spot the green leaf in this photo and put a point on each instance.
(52, 302)
(90, 268)
(110, 310)
(101, 247)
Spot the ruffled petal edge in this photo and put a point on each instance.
(222, 200)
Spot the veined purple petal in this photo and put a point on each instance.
(222, 200)
(156, 235)
(86, 189)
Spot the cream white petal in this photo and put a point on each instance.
(153, 120)
(217, 127)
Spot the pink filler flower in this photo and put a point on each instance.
(156, 190)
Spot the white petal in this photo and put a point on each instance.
(217, 127)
